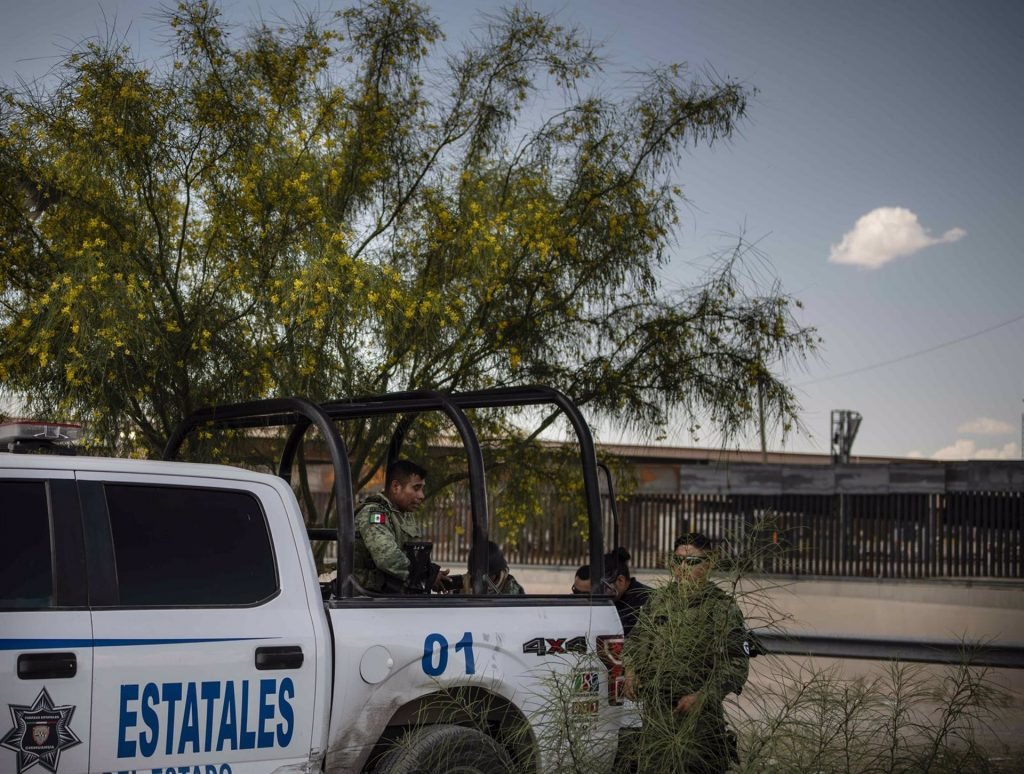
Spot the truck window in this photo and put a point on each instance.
(181, 546)
(26, 565)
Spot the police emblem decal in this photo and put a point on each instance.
(41, 732)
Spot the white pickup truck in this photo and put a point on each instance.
(167, 617)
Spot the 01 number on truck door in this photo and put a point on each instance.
(435, 653)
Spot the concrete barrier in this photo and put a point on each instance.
(929, 610)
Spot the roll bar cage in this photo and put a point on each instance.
(300, 414)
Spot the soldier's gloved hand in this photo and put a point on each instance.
(453, 584)
(439, 578)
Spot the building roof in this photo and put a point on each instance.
(687, 455)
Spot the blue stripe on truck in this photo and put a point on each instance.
(48, 644)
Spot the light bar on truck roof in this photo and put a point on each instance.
(22, 430)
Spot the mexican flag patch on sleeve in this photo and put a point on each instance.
(378, 518)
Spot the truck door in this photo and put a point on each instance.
(205, 656)
(46, 661)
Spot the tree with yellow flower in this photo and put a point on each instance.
(336, 207)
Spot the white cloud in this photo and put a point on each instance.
(961, 450)
(965, 449)
(1009, 451)
(884, 234)
(986, 426)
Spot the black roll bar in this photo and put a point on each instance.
(285, 411)
(612, 503)
(532, 395)
(408, 403)
(398, 437)
(300, 414)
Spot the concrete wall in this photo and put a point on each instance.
(932, 610)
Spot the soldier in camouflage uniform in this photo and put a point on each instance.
(384, 524)
(689, 649)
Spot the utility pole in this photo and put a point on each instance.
(760, 417)
(761, 372)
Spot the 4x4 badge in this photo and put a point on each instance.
(41, 732)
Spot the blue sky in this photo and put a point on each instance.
(884, 136)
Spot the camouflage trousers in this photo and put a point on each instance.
(679, 744)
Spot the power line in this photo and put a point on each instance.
(920, 352)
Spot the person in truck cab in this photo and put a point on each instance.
(497, 581)
(630, 595)
(385, 524)
(581, 581)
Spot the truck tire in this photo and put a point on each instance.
(446, 750)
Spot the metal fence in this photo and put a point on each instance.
(892, 535)
(929, 520)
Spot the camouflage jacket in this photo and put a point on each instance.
(689, 640)
(381, 532)
(505, 584)
(509, 585)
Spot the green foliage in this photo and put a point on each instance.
(800, 714)
(903, 718)
(332, 208)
